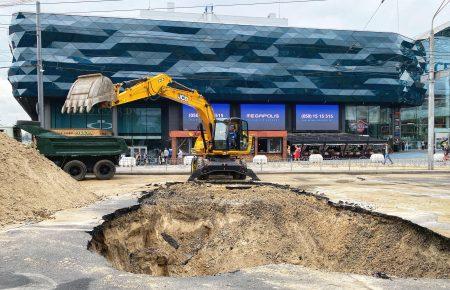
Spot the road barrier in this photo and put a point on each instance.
(286, 166)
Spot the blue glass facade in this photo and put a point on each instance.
(415, 119)
(234, 64)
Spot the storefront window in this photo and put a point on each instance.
(269, 145)
(357, 119)
(368, 120)
(139, 120)
(413, 126)
(439, 122)
(95, 119)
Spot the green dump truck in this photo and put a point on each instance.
(78, 155)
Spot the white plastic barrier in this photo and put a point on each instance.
(438, 157)
(377, 158)
(315, 158)
(260, 159)
(127, 161)
(187, 160)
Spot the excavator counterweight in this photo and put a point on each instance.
(220, 144)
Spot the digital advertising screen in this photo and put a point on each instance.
(264, 116)
(191, 119)
(317, 117)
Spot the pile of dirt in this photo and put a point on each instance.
(191, 229)
(32, 187)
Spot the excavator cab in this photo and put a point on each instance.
(231, 135)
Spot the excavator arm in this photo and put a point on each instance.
(94, 89)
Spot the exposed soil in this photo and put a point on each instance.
(32, 187)
(190, 229)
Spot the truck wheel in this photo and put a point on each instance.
(104, 169)
(76, 169)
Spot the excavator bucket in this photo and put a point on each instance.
(87, 91)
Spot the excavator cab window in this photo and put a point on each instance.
(221, 135)
(231, 134)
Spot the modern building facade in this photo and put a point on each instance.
(415, 119)
(281, 79)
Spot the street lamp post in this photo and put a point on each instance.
(39, 70)
(431, 81)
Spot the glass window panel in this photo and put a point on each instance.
(274, 145)
(385, 115)
(439, 122)
(350, 119)
(94, 119)
(374, 114)
(263, 145)
(59, 120)
(139, 120)
(78, 121)
(350, 113)
(106, 119)
(362, 113)
(153, 117)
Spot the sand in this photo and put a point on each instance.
(189, 229)
(32, 187)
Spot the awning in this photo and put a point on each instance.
(332, 138)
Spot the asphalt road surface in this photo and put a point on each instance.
(52, 254)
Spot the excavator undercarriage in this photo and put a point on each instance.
(215, 168)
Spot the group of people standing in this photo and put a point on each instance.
(165, 155)
(162, 157)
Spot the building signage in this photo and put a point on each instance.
(317, 117)
(264, 116)
(191, 119)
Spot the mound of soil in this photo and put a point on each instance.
(191, 229)
(32, 187)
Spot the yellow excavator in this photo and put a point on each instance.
(220, 144)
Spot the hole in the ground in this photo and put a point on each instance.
(189, 229)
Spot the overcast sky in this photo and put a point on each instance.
(414, 19)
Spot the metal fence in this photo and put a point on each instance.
(339, 165)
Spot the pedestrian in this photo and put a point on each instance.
(289, 152)
(159, 156)
(446, 151)
(297, 153)
(166, 155)
(145, 161)
(387, 151)
(137, 158)
(445, 148)
(170, 152)
(180, 155)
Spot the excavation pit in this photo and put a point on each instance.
(191, 229)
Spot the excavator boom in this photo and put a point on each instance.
(216, 152)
